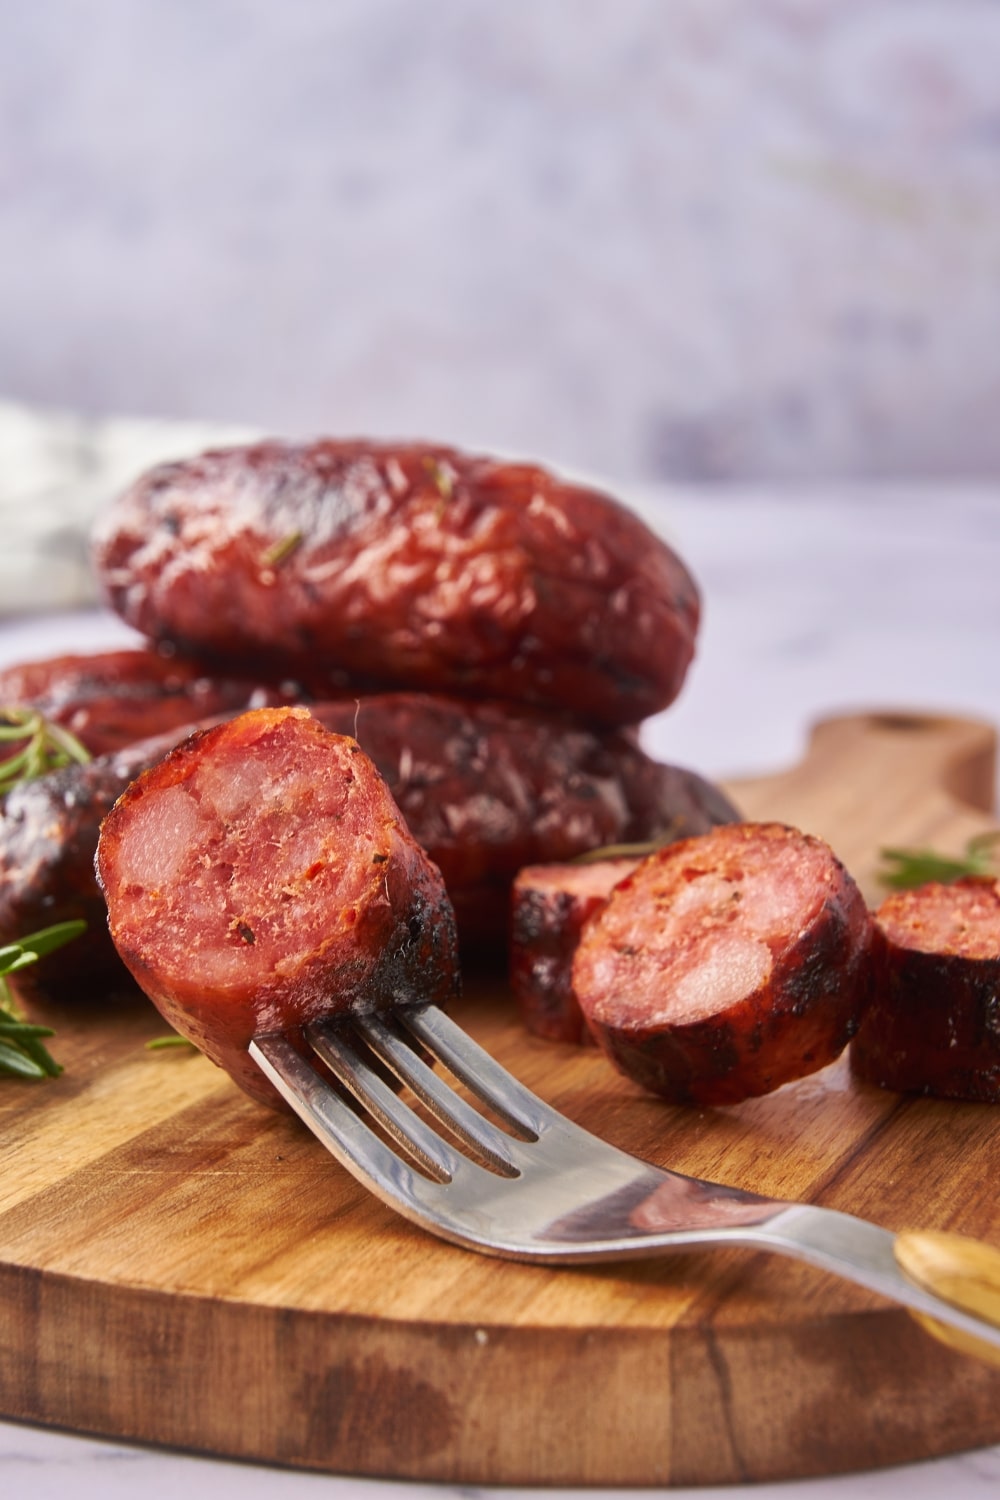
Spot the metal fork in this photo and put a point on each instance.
(551, 1191)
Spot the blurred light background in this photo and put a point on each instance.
(687, 239)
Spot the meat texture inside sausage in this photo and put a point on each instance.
(727, 965)
(364, 564)
(48, 837)
(261, 877)
(933, 1026)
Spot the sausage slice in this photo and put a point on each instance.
(549, 906)
(933, 1026)
(261, 877)
(728, 964)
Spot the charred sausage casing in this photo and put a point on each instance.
(261, 877)
(349, 563)
(109, 699)
(549, 905)
(726, 965)
(933, 1026)
(488, 788)
(484, 787)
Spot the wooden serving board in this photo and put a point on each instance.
(180, 1266)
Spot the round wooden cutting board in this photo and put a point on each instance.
(180, 1266)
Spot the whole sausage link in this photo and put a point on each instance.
(360, 564)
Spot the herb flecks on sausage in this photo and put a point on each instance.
(414, 567)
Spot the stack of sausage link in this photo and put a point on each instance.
(491, 636)
(488, 632)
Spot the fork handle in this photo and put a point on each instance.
(964, 1271)
(948, 1282)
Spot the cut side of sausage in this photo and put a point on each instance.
(352, 563)
(261, 877)
(549, 906)
(727, 965)
(48, 838)
(933, 1026)
(109, 699)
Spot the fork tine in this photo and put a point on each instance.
(516, 1105)
(344, 1133)
(396, 1117)
(468, 1124)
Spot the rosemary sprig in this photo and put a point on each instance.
(640, 850)
(905, 869)
(618, 851)
(442, 475)
(42, 746)
(282, 549)
(22, 1052)
(162, 1043)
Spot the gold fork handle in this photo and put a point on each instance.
(962, 1271)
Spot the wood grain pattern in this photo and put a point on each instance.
(182, 1267)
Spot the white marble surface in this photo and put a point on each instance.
(40, 1465)
(703, 239)
(816, 601)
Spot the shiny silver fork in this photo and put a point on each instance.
(551, 1191)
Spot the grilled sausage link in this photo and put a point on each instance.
(485, 788)
(488, 788)
(360, 564)
(109, 699)
(48, 837)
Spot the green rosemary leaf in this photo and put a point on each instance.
(442, 475)
(29, 950)
(282, 549)
(14, 957)
(48, 939)
(161, 1043)
(22, 1054)
(15, 1063)
(670, 835)
(44, 746)
(19, 1037)
(981, 845)
(22, 1028)
(905, 869)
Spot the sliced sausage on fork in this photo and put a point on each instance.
(261, 877)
